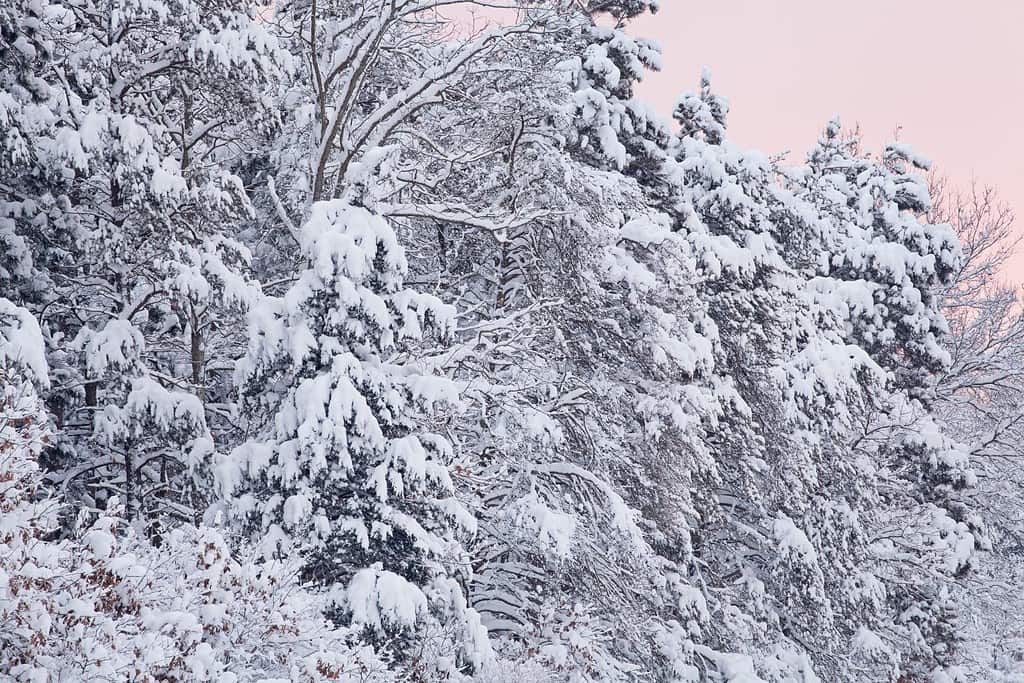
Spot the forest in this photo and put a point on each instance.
(402, 341)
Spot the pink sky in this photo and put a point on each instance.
(950, 73)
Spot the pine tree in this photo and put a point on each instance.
(344, 472)
(880, 273)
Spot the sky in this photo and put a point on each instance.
(949, 74)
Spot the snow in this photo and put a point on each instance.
(792, 541)
(868, 642)
(376, 597)
(21, 342)
(296, 509)
(646, 230)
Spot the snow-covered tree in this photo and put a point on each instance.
(881, 271)
(343, 470)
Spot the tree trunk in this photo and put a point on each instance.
(198, 354)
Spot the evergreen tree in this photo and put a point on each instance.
(880, 272)
(343, 471)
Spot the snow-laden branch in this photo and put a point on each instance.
(496, 224)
